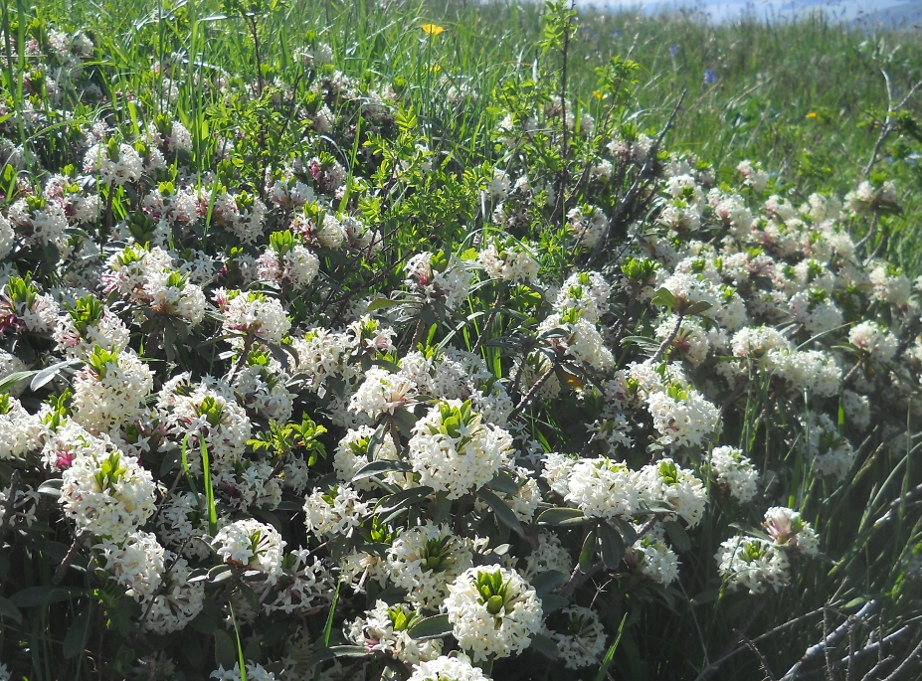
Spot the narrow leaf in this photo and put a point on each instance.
(430, 627)
(611, 545)
(562, 516)
(79, 633)
(502, 511)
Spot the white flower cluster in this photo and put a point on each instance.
(425, 559)
(447, 281)
(252, 314)
(736, 472)
(445, 668)
(493, 611)
(156, 579)
(334, 512)
(453, 451)
(509, 262)
(107, 494)
(252, 545)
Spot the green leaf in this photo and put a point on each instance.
(332, 652)
(677, 535)
(44, 376)
(436, 626)
(562, 517)
(393, 504)
(374, 468)
(502, 511)
(698, 308)
(10, 611)
(664, 298)
(553, 602)
(381, 303)
(611, 545)
(51, 487)
(545, 582)
(708, 596)
(588, 550)
(545, 646)
(503, 482)
(602, 674)
(35, 596)
(225, 650)
(15, 378)
(79, 633)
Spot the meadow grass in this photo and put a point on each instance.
(806, 100)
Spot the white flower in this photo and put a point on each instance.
(753, 177)
(425, 559)
(494, 612)
(334, 512)
(790, 531)
(582, 639)
(115, 163)
(875, 340)
(588, 224)
(444, 668)
(815, 311)
(667, 482)
(111, 389)
(752, 563)
(512, 262)
(582, 341)
(352, 452)
(549, 554)
(735, 471)
(384, 629)
(254, 672)
(655, 559)
(19, 430)
(586, 291)
(253, 314)
(454, 451)
(382, 392)
(253, 545)
(107, 493)
(682, 415)
(603, 489)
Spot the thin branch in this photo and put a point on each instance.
(829, 639)
(916, 652)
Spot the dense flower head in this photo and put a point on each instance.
(602, 488)
(252, 545)
(107, 494)
(753, 563)
(579, 635)
(453, 451)
(448, 668)
(425, 559)
(494, 612)
(736, 472)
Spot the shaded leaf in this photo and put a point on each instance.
(545, 582)
(677, 535)
(611, 545)
(562, 516)
(502, 511)
(10, 611)
(545, 646)
(430, 627)
(79, 633)
(503, 482)
(374, 468)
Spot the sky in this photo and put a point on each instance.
(845, 10)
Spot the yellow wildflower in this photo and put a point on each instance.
(432, 29)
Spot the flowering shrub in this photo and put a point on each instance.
(397, 414)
